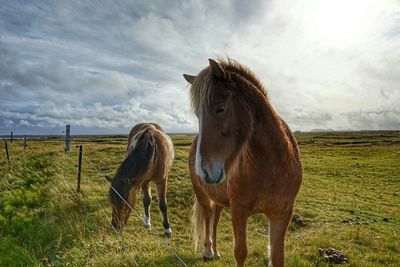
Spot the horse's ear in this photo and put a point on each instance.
(189, 78)
(216, 69)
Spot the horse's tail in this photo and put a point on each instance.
(198, 223)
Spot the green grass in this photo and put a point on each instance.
(349, 200)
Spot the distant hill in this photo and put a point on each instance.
(323, 130)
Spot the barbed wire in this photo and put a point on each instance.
(155, 234)
(167, 246)
(119, 234)
(123, 246)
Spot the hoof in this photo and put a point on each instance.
(116, 226)
(168, 232)
(209, 255)
(217, 255)
(205, 259)
(146, 222)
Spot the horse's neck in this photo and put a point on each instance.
(270, 134)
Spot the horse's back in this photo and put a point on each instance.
(140, 127)
(164, 147)
(135, 133)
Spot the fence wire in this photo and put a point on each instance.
(118, 233)
(150, 230)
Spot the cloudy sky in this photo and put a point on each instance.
(103, 66)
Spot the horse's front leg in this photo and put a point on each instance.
(239, 222)
(208, 241)
(162, 202)
(277, 232)
(217, 215)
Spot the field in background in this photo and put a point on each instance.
(349, 200)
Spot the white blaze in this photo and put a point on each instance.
(199, 170)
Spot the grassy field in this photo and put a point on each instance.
(349, 200)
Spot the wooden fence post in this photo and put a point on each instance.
(8, 156)
(67, 137)
(78, 187)
(11, 137)
(24, 142)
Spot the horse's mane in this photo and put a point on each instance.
(135, 164)
(233, 66)
(251, 92)
(204, 83)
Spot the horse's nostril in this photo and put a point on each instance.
(206, 173)
(207, 176)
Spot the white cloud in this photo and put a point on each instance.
(326, 64)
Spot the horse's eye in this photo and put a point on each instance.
(220, 109)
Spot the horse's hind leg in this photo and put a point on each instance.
(162, 202)
(277, 232)
(146, 204)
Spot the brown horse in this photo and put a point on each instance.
(149, 158)
(244, 157)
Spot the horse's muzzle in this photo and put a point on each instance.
(215, 178)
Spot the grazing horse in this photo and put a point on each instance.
(244, 157)
(149, 157)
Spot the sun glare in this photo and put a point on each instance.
(341, 20)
